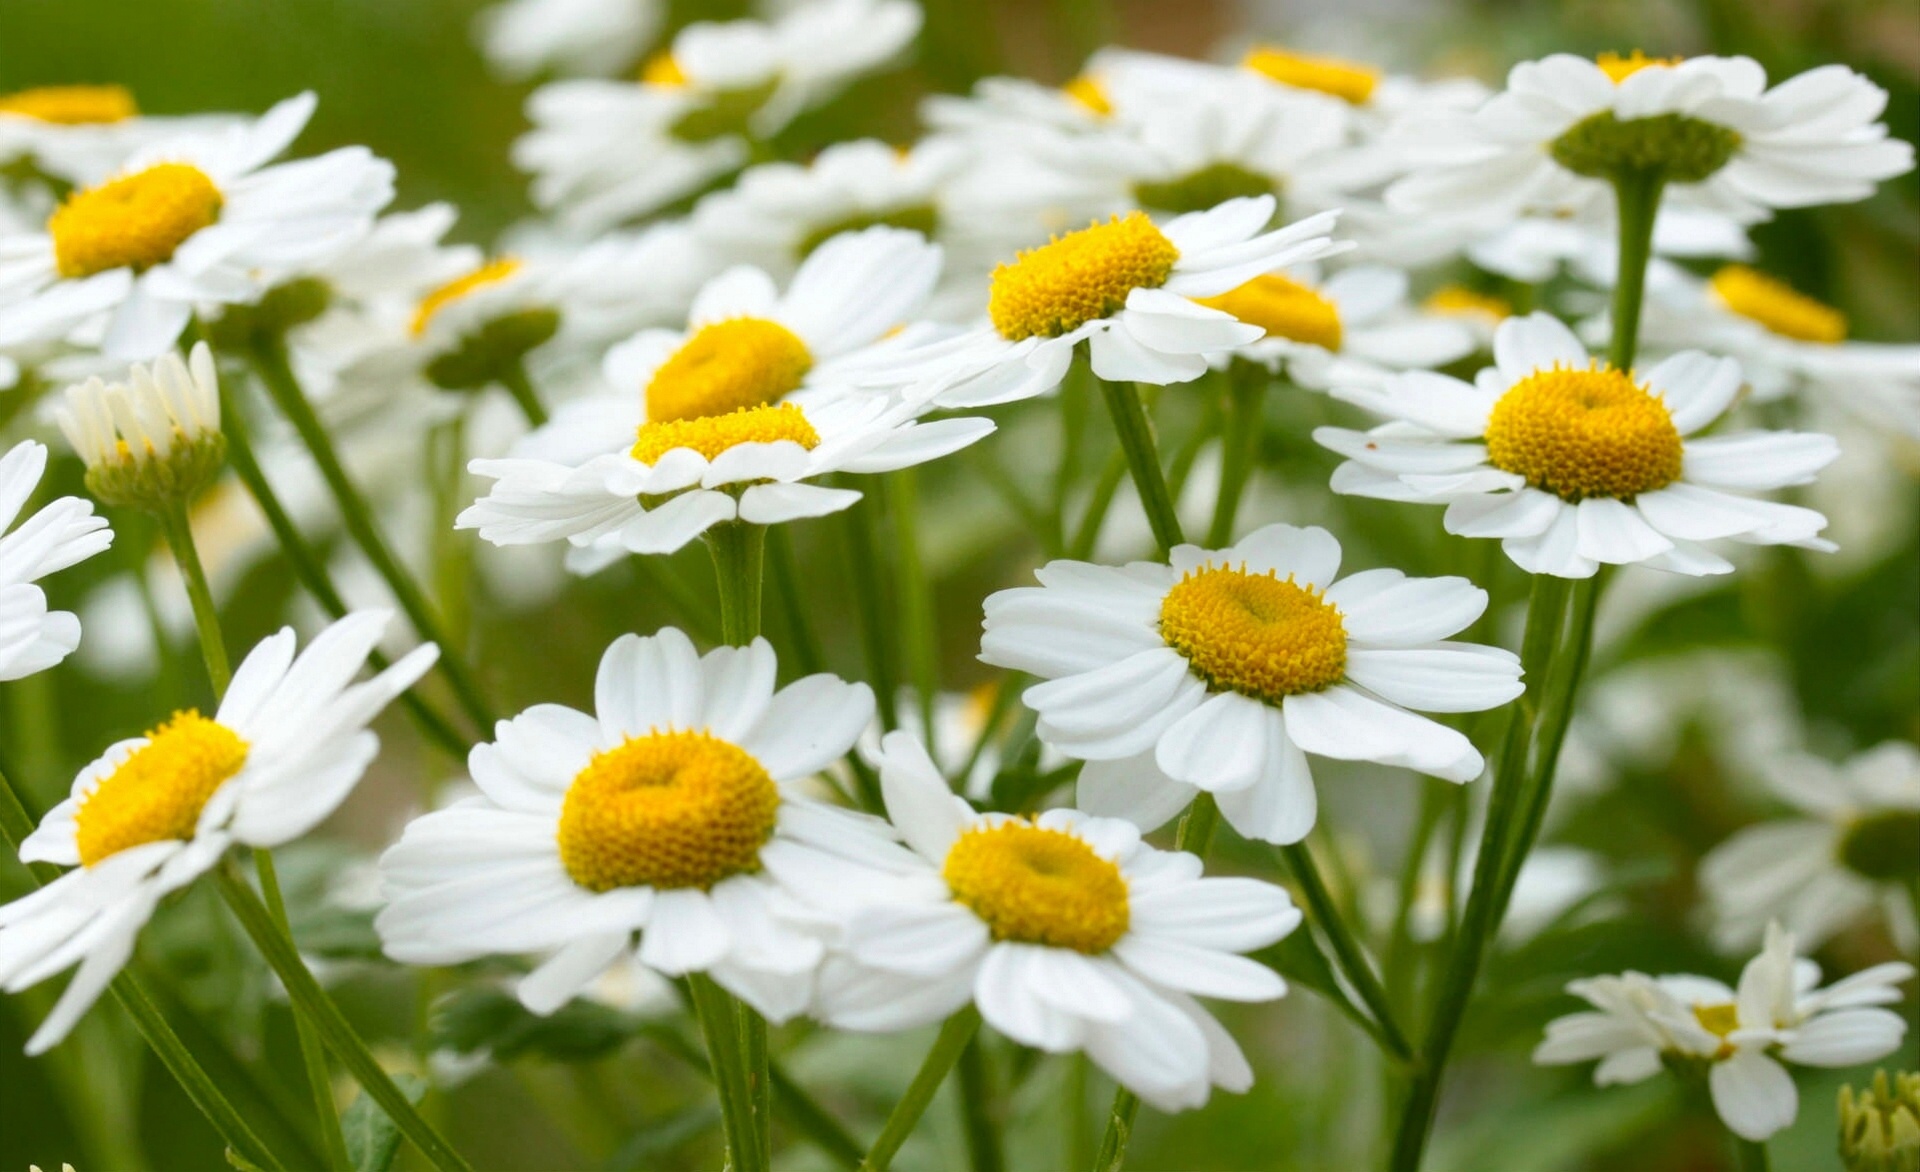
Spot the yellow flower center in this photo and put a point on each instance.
(716, 433)
(135, 221)
(1754, 295)
(1037, 886)
(1584, 433)
(1719, 1020)
(1089, 93)
(663, 69)
(1256, 634)
(727, 366)
(1347, 80)
(491, 273)
(669, 809)
(1284, 308)
(72, 105)
(158, 792)
(1460, 301)
(1618, 68)
(1080, 277)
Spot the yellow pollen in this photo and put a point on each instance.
(1584, 433)
(158, 792)
(1774, 304)
(1618, 68)
(663, 69)
(1090, 94)
(1284, 308)
(726, 366)
(1347, 80)
(1719, 1020)
(72, 105)
(135, 221)
(1038, 886)
(669, 809)
(1080, 277)
(1460, 301)
(716, 433)
(1256, 634)
(491, 273)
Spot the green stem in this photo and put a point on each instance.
(1637, 198)
(919, 636)
(739, 559)
(313, 1054)
(270, 362)
(805, 645)
(954, 1037)
(1087, 533)
(979, 1112)
(206, 617)
(514, 379)
(1239, 443)
(714, 1007)
(1354, 963)
(870, 607)
(1749, 1156)
(332, 1026)
(794, 1107)
(1195, 832)
(1135, 432)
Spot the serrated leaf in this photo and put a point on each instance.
(372, 1138)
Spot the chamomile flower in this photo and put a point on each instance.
(194, 220)
(82, 133)
(733, 417)
(1847, 858)
(33, 638)
(153, 813)
(1574, 464)
(153, 441)
(1740, 1039)
(588, 37)
(1724, 141)
(1353, 326)
(1223, 670)
(1068, 932)
(678, 811)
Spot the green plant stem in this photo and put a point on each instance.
(919, 636)
(715, 1008)
(514, 378)
(979, 1112)
(313, 1054)
(1749, 1156)
(206, 617)
(791, 1102)
(1637, 198)
(1135, 432)
(785, 572)
(1239, 444)
(1087, 533)
(954, 1037)
(270, 362)
(739, 561)
(870, 607)
(1352, 957)
(334, 1029)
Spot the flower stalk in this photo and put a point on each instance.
(955, 1034)
(1135, 432)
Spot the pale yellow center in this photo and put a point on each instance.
(1089, 94)
(1619, 68)
(1079, 277)
(1283, 307)
(1346, 80)
(1036, 886)
(1777, 306)
(72, 105)
(135, 221)
(1719, 1020)
(157, 793)
(1584, 433)
(491, 273)
(663, 69)
(1460, 301)
(1256, 634)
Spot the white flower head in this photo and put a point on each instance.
(153, 440)
(1222, 671)
(82, 133)
(33, 638)
(1574, 464)
(155, 812)
(587, 37)
(1068, 932)
(1740, 1037)
(678, 811)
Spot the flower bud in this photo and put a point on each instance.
(153, 441)
(1880, 1128)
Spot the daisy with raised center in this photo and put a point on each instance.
(733, 417)
(1067, 931)
(1222, 671)
(679, 811)
(1573, 464)
(586, 37)
(153, 813)
(1847, 858)
(1739, 1040)
(66, 531)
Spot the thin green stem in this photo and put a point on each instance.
(714, 1007)
(313, 1054)
(739, 560)
(805, 645)
(334, 1029)
(1347, 949)
(954, 1036)
(1135, 432)
(919, 636)
(1239, 443)
(1195, 832)
(791, 1102)
(1637, 198)
(1105, 487)
(206, 617)
(514, 378)
(979, 1109)
(1749, 1156)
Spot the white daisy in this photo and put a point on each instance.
(679, 811)
(1068, 932)
(1738, 1039)
(1221, 672)
(731, 418)
(33, 638)
(82, 133)
(1721, 138)
(1573, 464)
(153, 813)
(153, 441)
(591, 37)
(1850, 858)
(1353, 326)
(200, 219)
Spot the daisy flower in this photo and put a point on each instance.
(189, 221)
(82, 133)
(1221, 672)
(1565, 126)
(1068, 932)
(1573, 464)
(153, 441)
(733, 417)
(589, 37)
(1739, 1039)
(678, 811)
(1353, 326)
(33, 638)
(1848, 858)
(153, 813)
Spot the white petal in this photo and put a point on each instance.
(1344, 724)
(1132, 788)
(1753, 1094)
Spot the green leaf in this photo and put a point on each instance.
(372, 1138)
(488, 1019)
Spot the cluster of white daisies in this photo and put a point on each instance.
(791, 325)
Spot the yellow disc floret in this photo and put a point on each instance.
(1618, 68)
(1256, 634)
(1089, 94)
(728, 365)
(135, 221)
(663, 69)
(491, 273)
(1719, 1020)
(1079, 277)
(1781, 309)
(1284, 308)
(669, 809)
(1347, 80)
(1460, 301)
(1584, 433)
(157, 793)
(72, 105)
(717, 433)
(1037, 886)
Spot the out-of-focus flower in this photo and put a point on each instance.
(153, 441)
(32, 638)
(82, 133)
(589, 37)
(1354, 326)
(1880, 1127)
